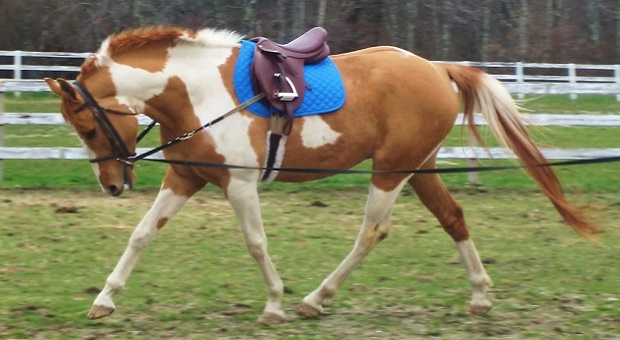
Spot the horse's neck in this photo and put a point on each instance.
(193, 82)
(199, 81)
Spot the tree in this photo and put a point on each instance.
(491, 30)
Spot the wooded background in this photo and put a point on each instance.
(557, 31)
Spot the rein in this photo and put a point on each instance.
(121, 154)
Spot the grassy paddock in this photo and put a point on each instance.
(196, 279)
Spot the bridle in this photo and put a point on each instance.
(120, 152)
(119, 149)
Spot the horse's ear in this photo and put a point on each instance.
(62, 88)
(54, 86)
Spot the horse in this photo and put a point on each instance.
(399, 108)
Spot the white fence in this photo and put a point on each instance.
(465, 152)
(519, 78)
(17, 65)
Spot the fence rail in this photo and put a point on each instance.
(520, 78)
(445, 152)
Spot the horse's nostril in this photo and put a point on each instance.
(114, 190)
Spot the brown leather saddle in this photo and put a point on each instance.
(278, 71)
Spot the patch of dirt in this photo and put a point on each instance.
(236, 309)
(92, 290)
(319, 204)
(67, 210)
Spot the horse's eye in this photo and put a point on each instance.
(90, 134)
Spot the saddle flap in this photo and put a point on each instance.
(273, 79)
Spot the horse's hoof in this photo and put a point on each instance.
(98, 312)
(480, 308)
(308, 311)
(271, 319)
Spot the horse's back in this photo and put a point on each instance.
(398, 108)
(393, 72)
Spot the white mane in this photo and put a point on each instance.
(212, 37)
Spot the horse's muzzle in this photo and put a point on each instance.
(114, 190)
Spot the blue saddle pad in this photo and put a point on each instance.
(324, 94)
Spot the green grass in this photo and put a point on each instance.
(76, 174)
(47, 102)
(586, 104)
(196, 280)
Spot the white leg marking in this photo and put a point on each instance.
(478, 277)
(166, 205)
(375, 227)
(243, 197)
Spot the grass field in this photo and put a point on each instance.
(60, 237)
(197, 281)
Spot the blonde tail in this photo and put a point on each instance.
(478, 89)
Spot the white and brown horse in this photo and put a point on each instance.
(399, 109)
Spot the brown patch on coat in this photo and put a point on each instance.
(143, 37)
(161, 222)
(89, 67)
(154, 41)
(201, 147)
(158, 54)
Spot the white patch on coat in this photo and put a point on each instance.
(91, 155)
(316, 133)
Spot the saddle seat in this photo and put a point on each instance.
(278, 70)
(309, 46)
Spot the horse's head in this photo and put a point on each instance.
(106, 129)
(173, 75)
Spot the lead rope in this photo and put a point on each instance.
(389, 172)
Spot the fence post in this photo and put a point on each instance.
(17, 70)
(617, 77)
(1, 135)
(519, 76)
(572, 78)
(472, 177)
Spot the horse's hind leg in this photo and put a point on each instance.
(173, 195)
(375, 227)
(435, 196)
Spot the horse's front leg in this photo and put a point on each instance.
(174, 193)
(243, 197)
